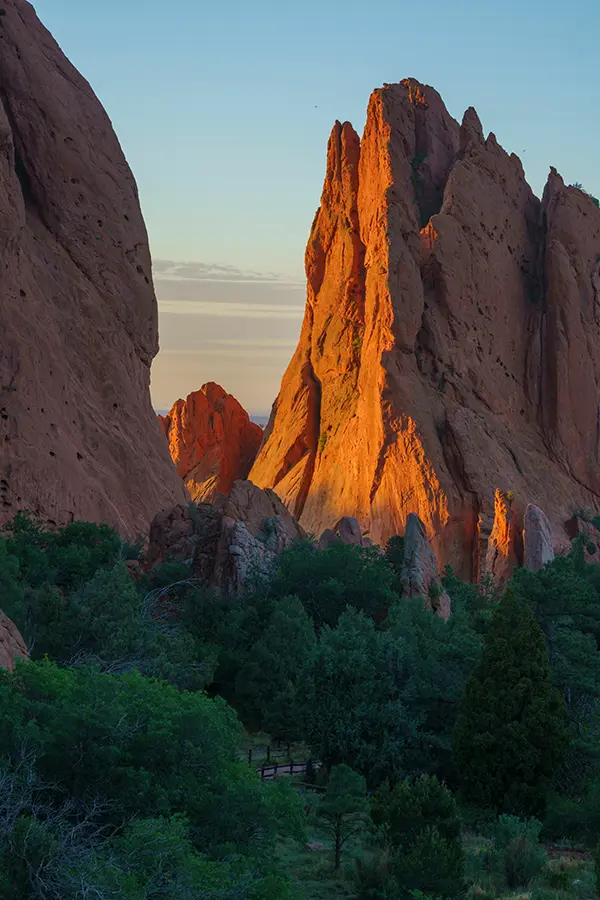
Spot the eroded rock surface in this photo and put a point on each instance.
(12, 645)
(419, 576)
(346, 531)
(78, 314)
(228, 540)
(450, 347)
(505, 545)
(578, 526)
(211, 440)
(537, 539)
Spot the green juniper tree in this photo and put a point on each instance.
(343, 807)
(419, 847)
(565, 598)
(266, 684)
(351, 700)
(328, 581)
(510, 736)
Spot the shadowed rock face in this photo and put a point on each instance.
(346, 531)
(228, 540)
(537, 539)
(12, 645)
(78, 314)
(211, 440)
(451, 342)
(420, 576)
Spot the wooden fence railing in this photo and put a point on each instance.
(272, 762)
(273, 770)
(270, 754)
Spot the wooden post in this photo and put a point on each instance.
(250, 756)
(291, 766)
(275, 773)
(262, 771)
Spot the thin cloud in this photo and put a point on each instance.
(168, 270)
(249, 354)
(241, 342)
(231, 310)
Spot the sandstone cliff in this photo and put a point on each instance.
(78, 314)
(212, 441)
(451, 342)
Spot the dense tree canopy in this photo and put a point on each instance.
(328, 581)
(109, 747)
(127, 756)
(509, 737)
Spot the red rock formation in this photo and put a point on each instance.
(581, 527)
(451, 341)
(504, 550)
(537, 538)
(212, 441)
(346, 531)
(78, 314)
(227, 540)
(12, 645)
(420, 576)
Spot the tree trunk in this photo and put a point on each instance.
(338, 843)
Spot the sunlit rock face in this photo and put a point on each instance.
(451, 341)
(78, 315)
(211, 440)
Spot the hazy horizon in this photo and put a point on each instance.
(205, 313)
(224, 112)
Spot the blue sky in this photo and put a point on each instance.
(224, 110)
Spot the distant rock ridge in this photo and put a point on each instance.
(211, 440)
(450, 350)
(78, 313)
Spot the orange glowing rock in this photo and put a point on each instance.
(505, 544)
(211, 440)
(450, 345)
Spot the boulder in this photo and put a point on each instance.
(537, 539)
(346, 531)
(171, 535)
(12, 645)
(419, 576)
(211, 440)
(78, 313)
(226, 541)
(254, 507)
(450, 339)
